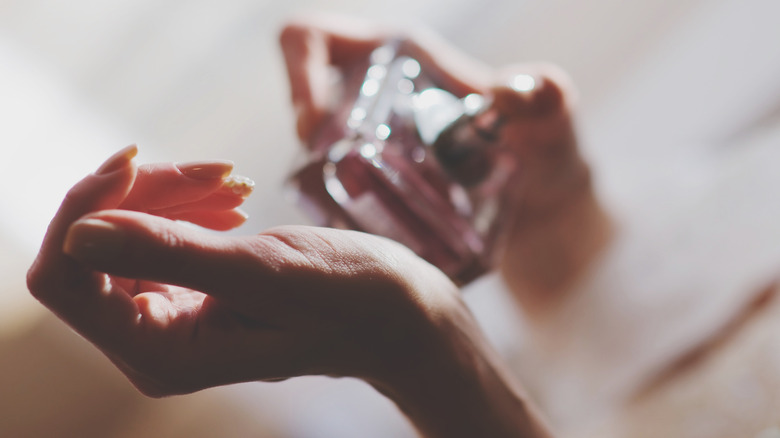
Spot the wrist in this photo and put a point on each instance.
(453, 384)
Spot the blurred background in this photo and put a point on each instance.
(679, 109)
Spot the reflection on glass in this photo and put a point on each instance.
(399, 160)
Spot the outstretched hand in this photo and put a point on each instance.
(178, 310)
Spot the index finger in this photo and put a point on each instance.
(105, 188)
(86, 300)
(313, 46)
(310, 51)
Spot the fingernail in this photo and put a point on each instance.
(239, 185)
(214, 169)
(94, 240)
(118, 160)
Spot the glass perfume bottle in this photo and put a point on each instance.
(408, 160)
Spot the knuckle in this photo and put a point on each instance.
(170, 239)
(77, 194)
(281, 250)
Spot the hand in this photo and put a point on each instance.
(178, 310)
(559, 225)
(314, 48)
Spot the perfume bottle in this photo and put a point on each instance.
(408, 160)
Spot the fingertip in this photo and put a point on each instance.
(93, 240)
(240, 215)
(533, 90)
(117, 161)
(295, 31)
(109, 185)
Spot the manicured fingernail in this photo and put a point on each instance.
(239, 185)
(214, 169)
(94, 240)
(118, 160)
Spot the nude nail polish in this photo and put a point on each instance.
(204, 170)
(406, 159)
(119, 159)
(94, 240)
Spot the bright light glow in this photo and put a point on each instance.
(405, 86)
(368, 151)
(382, 55)
(376, 72)
(523, 83)
(358, 114)
(411, 68)
(333, 185)
(473, 103)
(382, 132)
(370, 87)
(418, 154)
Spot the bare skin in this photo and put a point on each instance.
(178, 310)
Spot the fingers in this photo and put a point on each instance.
(306, 57)
(203, 193)
(314, 47)
(243, 271)
(88, 301)
(310, 51)
(106, 188)
(141, 246)
(450, 68)
(537, 103)
(167, 184)
(231, 193)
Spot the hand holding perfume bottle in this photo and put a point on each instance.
(463, 165)
(409, 162)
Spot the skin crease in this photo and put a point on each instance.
(178, 310)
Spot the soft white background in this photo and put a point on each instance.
(679, 109)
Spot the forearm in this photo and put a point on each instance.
(460, 388)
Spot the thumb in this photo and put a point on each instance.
(146, 247)
(105, 188)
